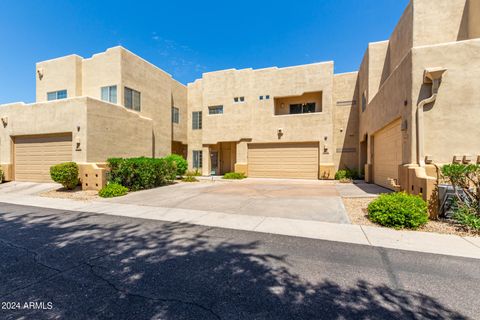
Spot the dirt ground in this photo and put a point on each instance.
(77, 194)
(357, 212)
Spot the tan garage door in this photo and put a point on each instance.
(387, 154)
(283, 160)
(34, 155)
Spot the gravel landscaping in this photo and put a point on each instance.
(76, 194)
(357, 212)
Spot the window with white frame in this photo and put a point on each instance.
(197, 120)
(197, 159)
(132, 99)
(215, 110)
(109, 94)
(175, 115)
(239, 99)
(56, 95)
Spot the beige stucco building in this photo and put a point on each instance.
(414, 104)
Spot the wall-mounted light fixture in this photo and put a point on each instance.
(4, 121)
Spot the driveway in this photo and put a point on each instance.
(293, 199)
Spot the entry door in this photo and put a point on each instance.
(226, 159)
(214, 162)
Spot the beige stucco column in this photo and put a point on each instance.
(206, 164)
(241, 164)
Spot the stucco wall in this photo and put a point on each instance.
(114, 131)
(473, 19)
(345, 130)
(179, 100)
(44, 118)
(443, 21)
(59, 74)
(452, 123)
(101, 70)
(155, 87)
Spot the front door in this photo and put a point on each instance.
(214, 162)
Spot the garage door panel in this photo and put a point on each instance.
(295, 160)
(387, 154)
(34, 155)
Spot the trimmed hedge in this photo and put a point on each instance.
(113, 190)
(141, 173)
(234, 176)
(180, 162)
(398, 210)
(66, 174)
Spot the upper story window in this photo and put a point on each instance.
(364, 101)
(57, 95)
(215, 110)
(175, 115)
(267, 97)
(197, 120)
(239, 99)
(298, 108)
(132, 99)
(109, 94)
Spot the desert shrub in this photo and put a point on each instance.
(346, 174)
(1, 175)
(113, 190)
(141, 173)
(465, 179)
(398, 210)
(66, 174)
(467, 217)
(189, 177)
(234, 176)
(180, 162)
(195, 173)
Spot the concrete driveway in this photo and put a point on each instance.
(294, 199)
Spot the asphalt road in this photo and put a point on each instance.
(70, 265)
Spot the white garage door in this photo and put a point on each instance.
(34, 155)
(387, 154)
(283, 160)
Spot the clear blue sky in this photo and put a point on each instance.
(187, 38)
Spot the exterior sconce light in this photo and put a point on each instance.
(279, 133)
(4, 121)
(40, 74)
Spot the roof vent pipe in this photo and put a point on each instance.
(433, 76)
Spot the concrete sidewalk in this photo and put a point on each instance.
(365, 235)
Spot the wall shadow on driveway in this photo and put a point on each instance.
(93, 266)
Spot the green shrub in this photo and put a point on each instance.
(195, 173)
(467, 217)
(234, 176)
(141, 173)
(113, 190)
(189, 178)
(66, 174)
(1, 175)
(398, 210)
(180, 162)
(346, 174)
(465, 179)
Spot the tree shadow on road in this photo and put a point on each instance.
(93, 266)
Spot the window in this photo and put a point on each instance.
(364, 101)
(197, 120)
(235, 99)
(132, 99)
(109, 94)
(261, 97)
(215, 110)
(298, 108)
(57, 95)
(197, 159)
(175, 115)
(267, 97)
(239, 99)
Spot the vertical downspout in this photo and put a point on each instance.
(431, 76)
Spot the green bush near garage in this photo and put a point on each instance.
(141, 173)
(113, 190)
(399, 210)
(234, 176)
(180, 162)
(347, 174)
(66, 174)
